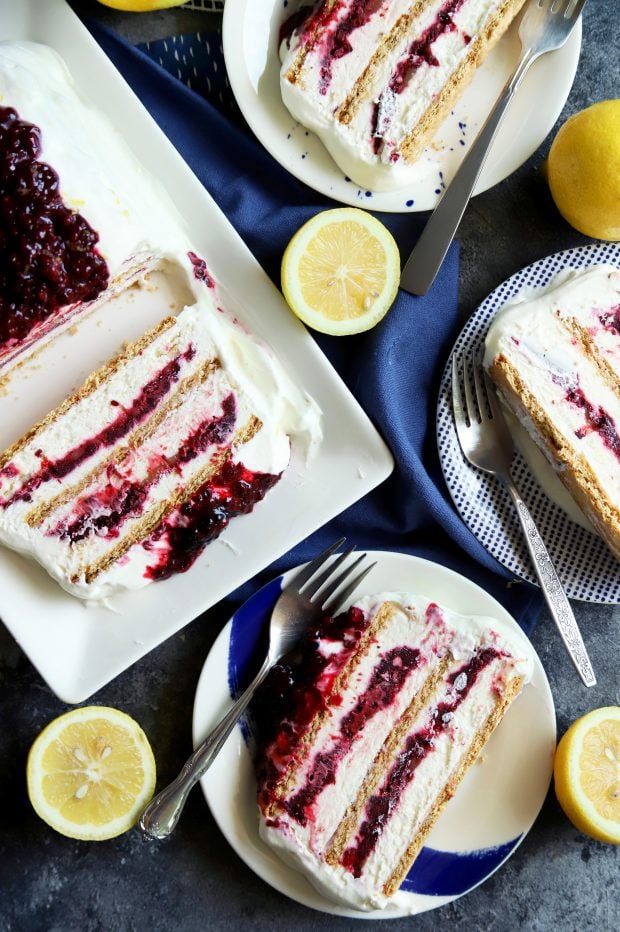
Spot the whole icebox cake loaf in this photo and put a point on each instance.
(374, 79)
(363, 740)
(130, 477)
(556, 362)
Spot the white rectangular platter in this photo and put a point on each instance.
(78, 648)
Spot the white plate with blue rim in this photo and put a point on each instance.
(586, 567)
(482, 825)
(250, 41)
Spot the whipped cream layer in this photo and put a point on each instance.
(415, 661)
(565, 346)
(424, 46)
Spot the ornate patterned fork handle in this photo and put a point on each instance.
(554, 594)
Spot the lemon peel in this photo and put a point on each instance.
(141, 6)
(583, 170)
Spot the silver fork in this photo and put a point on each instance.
(545, 26)
(487, 443)
(304, 600)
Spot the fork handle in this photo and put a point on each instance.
(162, 814)
(432, 246)
(552, 589)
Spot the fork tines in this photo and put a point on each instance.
(323, 589)
(465, 368)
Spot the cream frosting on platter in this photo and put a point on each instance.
(409, 691)
(367, 76)
(189, 425)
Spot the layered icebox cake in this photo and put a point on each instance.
(362, 742)
(374, 79)
(556, 363)
(129, 477)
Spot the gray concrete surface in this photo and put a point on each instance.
(557, 880)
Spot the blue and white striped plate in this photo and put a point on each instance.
(485, 821)
(587, 568)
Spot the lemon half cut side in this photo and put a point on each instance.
(90, 773)
(587, 774)
(341, 271)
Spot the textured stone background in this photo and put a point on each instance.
(557, 879)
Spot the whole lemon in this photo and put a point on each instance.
(583, 170)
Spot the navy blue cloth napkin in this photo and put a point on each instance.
(393, 370)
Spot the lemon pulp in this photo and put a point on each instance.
(90, 773)
(340, 271)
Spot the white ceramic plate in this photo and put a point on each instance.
(489, 815)
(77, 649)
(585, 565)
(250, 34)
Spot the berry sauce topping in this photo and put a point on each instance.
(597, 420)
(48, 255)
(105, 511)
(330, 25)
(128, 418)
(182, 537)
(417, 747)
(610, 319)
(316, 25)
(419, 53)
(292, 23)
(421, 49)
(386, 681)
(201, 273)
(298, 687)
(336, 43)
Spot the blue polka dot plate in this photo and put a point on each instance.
(251, 39)
(586, 567)
(482, 825)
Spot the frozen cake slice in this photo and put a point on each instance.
(556, 363)
(363, 742)
(374, 79)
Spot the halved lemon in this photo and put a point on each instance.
(90, 773)
(587, 774)
(340, 271)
